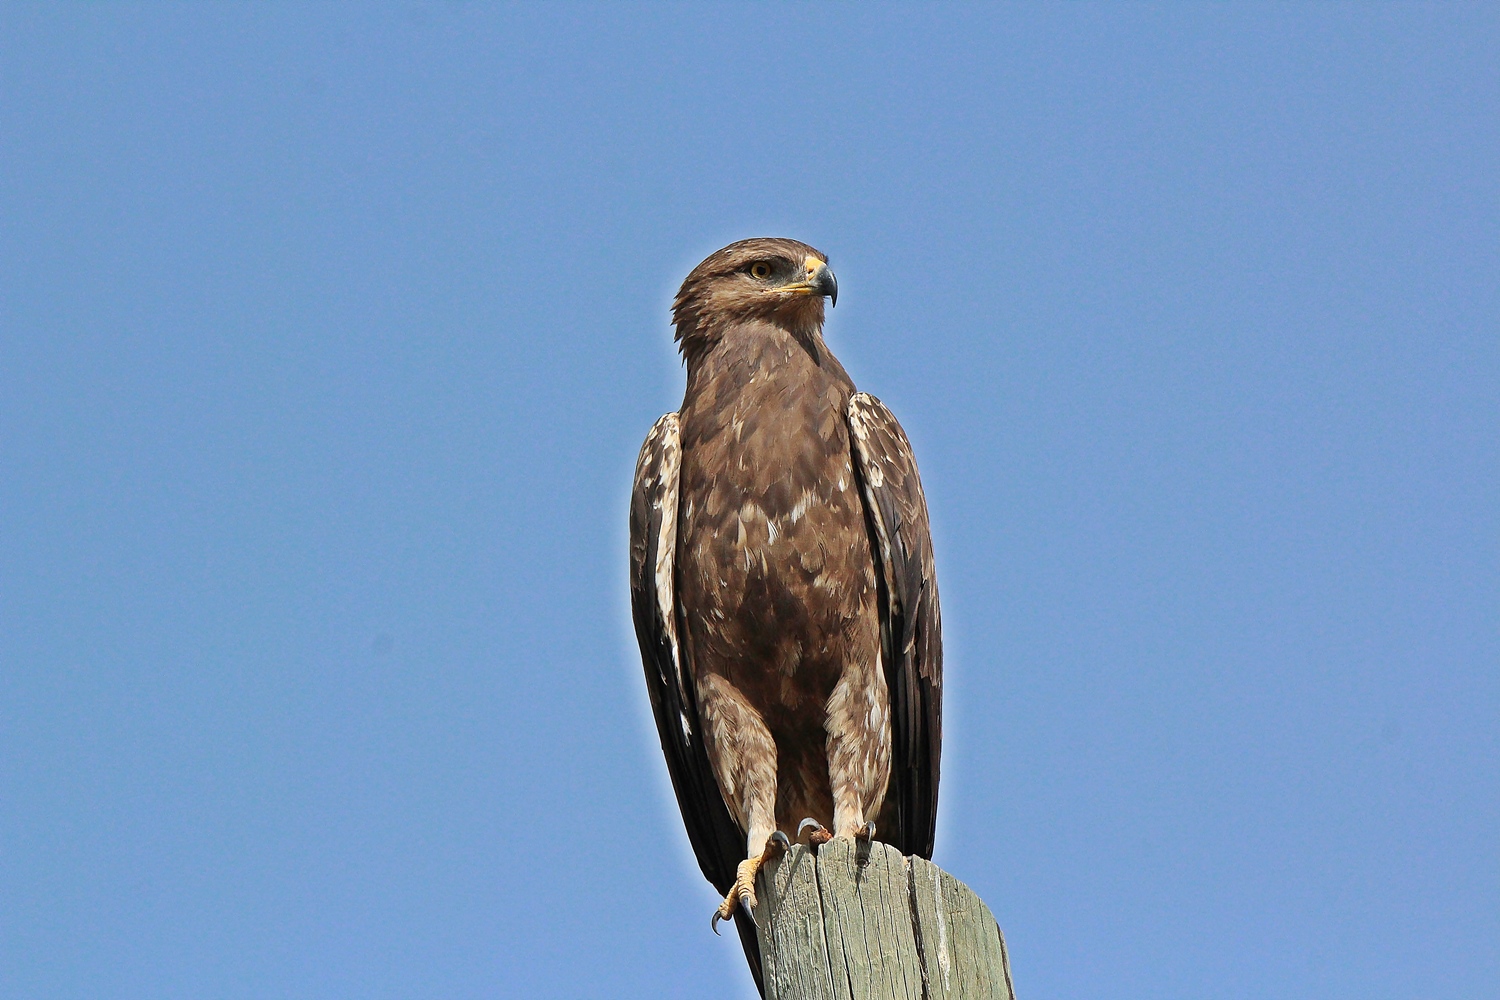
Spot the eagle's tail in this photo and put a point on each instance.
(746, 927)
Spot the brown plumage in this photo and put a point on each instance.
(782, 581)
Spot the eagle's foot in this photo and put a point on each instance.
(742, 893)
(866, 832)
(819, 835)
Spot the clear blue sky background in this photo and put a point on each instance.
(327, 340)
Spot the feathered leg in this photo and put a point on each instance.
(859, 749)
(743, 756)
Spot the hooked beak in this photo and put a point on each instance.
(817, 280)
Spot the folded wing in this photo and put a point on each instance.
(717, 841)
(910, 621)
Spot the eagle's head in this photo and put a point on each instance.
(771, 280)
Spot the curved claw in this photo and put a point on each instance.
(745, 907)
(781, 840)
(713, 924)
(818, 836)
(867, 832)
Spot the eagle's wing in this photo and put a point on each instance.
(716, 838)
(910, 622)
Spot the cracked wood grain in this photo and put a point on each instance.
(858, 921)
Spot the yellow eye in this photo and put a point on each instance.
(760, 269)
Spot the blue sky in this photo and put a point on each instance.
(327, 340)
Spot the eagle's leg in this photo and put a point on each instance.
(859, 749)
(743, 756)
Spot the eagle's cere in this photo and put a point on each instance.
(782, 583)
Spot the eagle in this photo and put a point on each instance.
(782, 584)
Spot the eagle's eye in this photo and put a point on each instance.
(760, 269)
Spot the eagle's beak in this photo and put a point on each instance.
(817, 280)
(824, 283)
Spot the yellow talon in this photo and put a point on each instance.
(742, 893)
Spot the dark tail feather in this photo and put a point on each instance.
(746, 928)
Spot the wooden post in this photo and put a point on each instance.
(857, 921)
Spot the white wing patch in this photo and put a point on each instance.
(665, 433)
(873, 475)
(859, 423)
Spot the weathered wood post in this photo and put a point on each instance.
(858, 921)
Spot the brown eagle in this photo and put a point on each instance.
(782, 584)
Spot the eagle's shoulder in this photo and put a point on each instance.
(881, 445)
